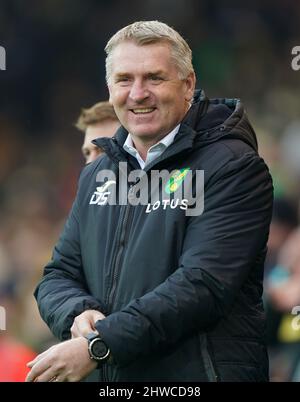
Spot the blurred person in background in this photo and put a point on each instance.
(97, 121)
(284, 222)
(163, 295)
(14, 354)
(283, 304)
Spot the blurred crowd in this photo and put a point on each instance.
(55, 66)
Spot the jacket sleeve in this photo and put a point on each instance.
(220, 248)
(62, 294)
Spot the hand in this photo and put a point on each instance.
(84, 323)
(66, 361)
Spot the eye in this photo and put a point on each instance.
(122, 80)
(155, 78)
(86, 153)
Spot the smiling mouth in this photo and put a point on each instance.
(143, 110)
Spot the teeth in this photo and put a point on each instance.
(148, 110)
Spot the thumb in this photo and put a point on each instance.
(97, 315)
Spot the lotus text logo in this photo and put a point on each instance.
(2, 58)
(296, 60)
(2, 319)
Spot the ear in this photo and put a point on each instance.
(110, 96)
(190, 83)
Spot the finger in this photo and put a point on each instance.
(58, 379)
(96, 318)
(48, 376)
(85, 327)
(74, 331)
(38, 369)
(38, 358)
(35, 360)
(97, 315)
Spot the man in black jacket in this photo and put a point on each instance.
(151, 284)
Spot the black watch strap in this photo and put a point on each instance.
(91, 336)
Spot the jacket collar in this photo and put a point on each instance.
(207, 121)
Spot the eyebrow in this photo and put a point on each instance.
(155, 72)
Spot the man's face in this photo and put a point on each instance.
(106, 128)
(148, 97)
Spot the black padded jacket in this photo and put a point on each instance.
(181, 294)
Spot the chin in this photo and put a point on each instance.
(142, 132)
(139, 133)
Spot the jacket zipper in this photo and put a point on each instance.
(120, 248)
(115, 276)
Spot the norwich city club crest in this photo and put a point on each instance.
(175, 180)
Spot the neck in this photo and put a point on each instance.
(143, 145)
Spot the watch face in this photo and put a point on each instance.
(99, 349)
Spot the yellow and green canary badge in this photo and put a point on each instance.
(175, 180)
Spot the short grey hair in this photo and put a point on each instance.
(147, 32)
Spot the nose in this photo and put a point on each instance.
(138, 91)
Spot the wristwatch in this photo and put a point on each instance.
(98, 350)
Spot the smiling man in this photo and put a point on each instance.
(147, 93)
(156, 294)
